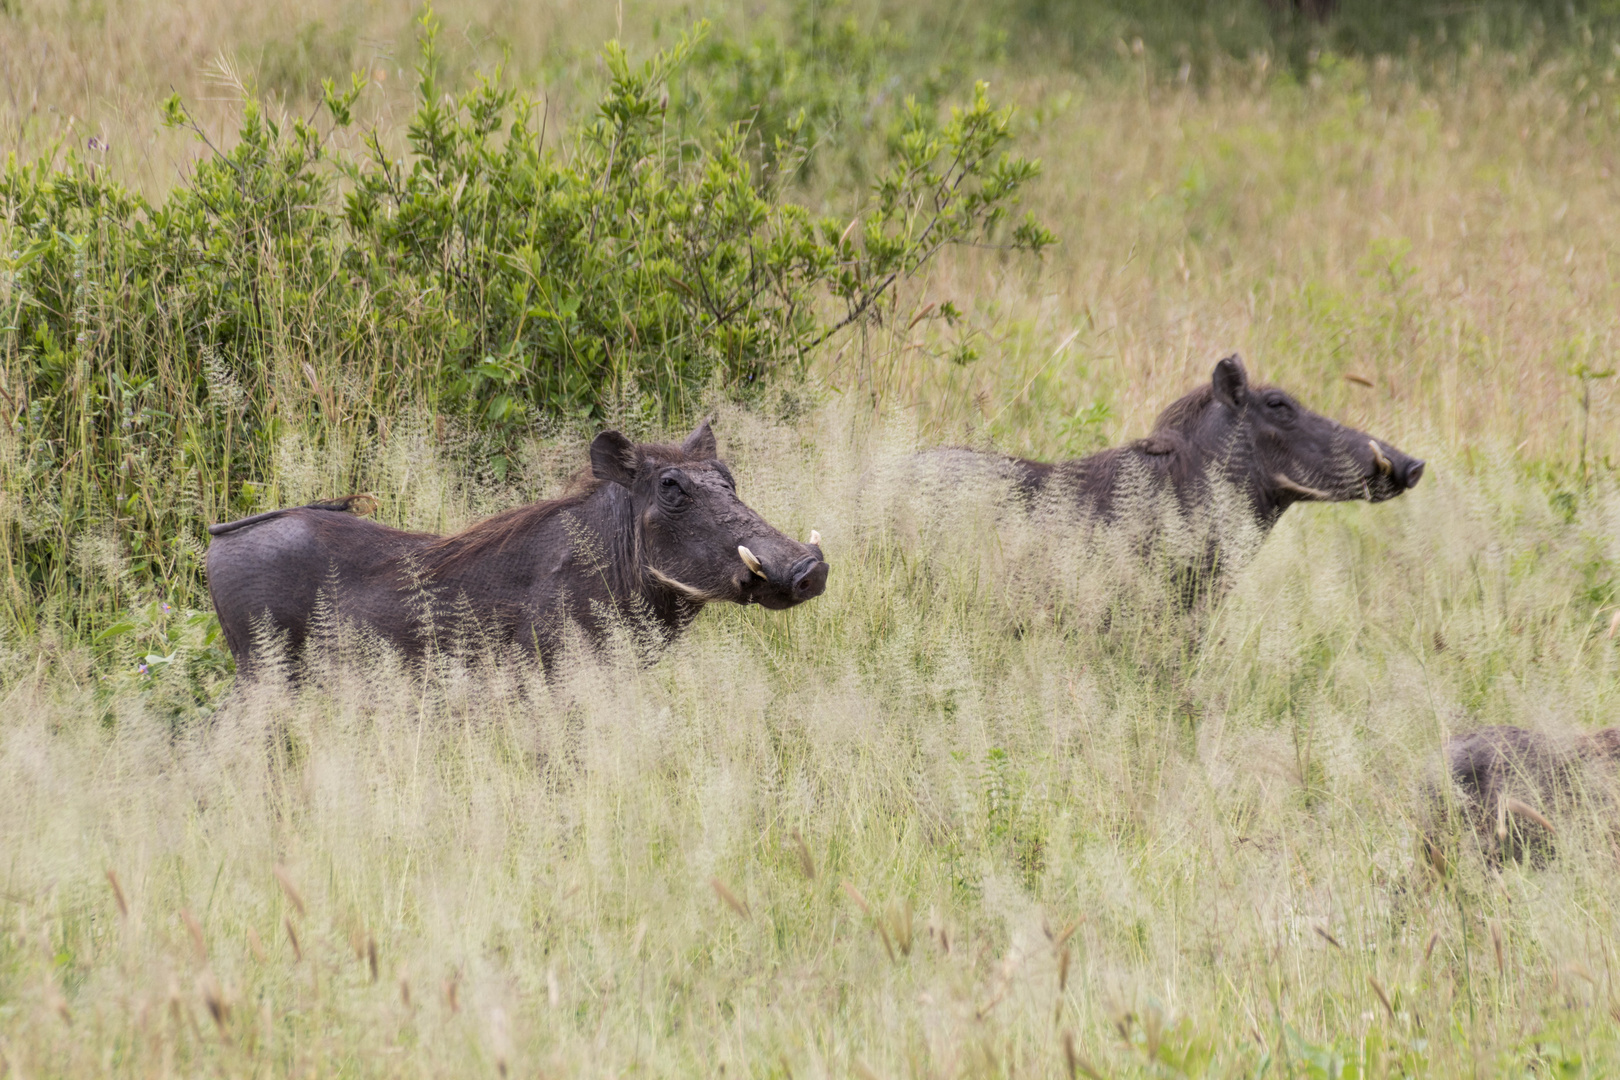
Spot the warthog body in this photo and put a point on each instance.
(1510, 787)
(647, 537)
(1221, 465)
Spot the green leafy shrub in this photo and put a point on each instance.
(825, 85)
(154, 352)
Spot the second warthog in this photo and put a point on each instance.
(647, 537)
(1511, 787)
(1211, 479)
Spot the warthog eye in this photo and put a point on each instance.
(670, 493)
(1280, 409)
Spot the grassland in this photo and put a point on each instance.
(917, 827)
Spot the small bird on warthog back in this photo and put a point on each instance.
(647, 536)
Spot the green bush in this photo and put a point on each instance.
(154, 352)
(824, 84)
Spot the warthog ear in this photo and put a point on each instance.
(1231, 382)
(700, 444)
(614, 458)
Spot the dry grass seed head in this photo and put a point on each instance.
(807, 865)
(118, 893)
(293, 895)
(196, 931)
(292, 939)
(730, 899)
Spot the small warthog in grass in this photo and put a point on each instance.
(1510, 787)
(647, 537)
(1216, 472)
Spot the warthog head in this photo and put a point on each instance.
(1284, 453)
(1511, 788)
(695, 536)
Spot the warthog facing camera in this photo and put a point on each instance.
(648, 536)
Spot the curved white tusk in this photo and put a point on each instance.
(815, 538)
(750, 561)
(1379, 459)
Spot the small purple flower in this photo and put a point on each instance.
(165, 608)
(141, 668)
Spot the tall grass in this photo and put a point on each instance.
(605, 872)
(929, 823)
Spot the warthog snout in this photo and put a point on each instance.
(809, 578)
(1407, 473)
(1392, 472)
(788, 574)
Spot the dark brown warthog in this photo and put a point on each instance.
(1511, 786)
(648, 536)
(1228, 445)
(1268, 446)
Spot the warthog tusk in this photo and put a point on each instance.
(1287, 483)
(750, 561)
(1379, 459)
(1520, 810)
(815, 538)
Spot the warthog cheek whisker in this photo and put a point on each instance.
(1288, 483)
(690, 591)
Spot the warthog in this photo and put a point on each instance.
(647, 536)
(1221, 464)
(1510, 786)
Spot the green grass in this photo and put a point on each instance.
(1219, 811)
